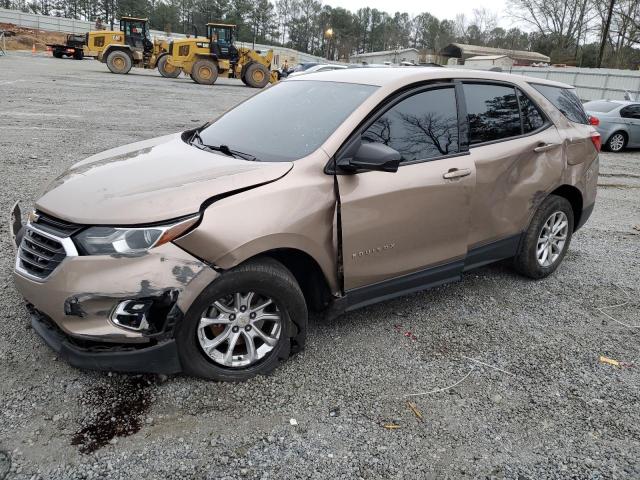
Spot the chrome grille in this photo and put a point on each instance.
(39, 254)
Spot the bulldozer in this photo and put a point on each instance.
(131, 46)
(207, 58)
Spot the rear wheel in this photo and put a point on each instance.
(166, 69)
(257, 75)
(205, 72)
(57, 54)
(78, 55)
(244, 323)
(617, 142)
(547, 239)
(119, 62)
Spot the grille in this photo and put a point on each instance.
(55, 226)
(38, 254)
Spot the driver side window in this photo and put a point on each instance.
(421, 127)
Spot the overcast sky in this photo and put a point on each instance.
(439, 8)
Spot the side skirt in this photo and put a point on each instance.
(425, 279)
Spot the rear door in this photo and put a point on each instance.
(518, 158)
(398, 225)
(631, 116)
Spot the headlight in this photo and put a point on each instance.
(110, 240)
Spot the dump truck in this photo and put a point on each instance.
(205, 59)
(73, 47)
(131, 46)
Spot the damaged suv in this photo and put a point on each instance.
(203, 251)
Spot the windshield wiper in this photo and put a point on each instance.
(220, 148)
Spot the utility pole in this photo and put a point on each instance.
(605, 33)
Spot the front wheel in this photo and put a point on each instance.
(547, 239)
(78, 55)
(257, 75)
(243, 324)
(166, 69)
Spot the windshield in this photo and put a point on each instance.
(287, 121)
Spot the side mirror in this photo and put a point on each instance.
(371, 156)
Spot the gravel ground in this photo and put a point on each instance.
(549, 408)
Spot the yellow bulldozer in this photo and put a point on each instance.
(205, 59)
(131, 46)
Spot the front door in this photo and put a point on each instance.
(406, 230)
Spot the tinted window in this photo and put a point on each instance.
(492, 111)
(532, 118)
(600, 106)
(420, 127)
(566, 100)
(630, 111)
(288, 120)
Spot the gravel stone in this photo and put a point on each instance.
(562, 414)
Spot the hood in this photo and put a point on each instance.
(149, 181)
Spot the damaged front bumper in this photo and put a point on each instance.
(86, 308)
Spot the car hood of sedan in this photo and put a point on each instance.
(150, 181)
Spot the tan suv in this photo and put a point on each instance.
(203, 251)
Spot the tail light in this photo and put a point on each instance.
(597, 141)
(595, 121)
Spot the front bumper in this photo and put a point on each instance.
(158, 358)
(72, 308)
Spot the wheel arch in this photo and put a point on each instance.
(113, 48)
(574, 196)
(307, 272)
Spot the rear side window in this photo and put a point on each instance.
(532, 118)
(630, 111)
(492, 111)
(420, 127)
(566, 100)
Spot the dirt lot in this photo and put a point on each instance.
(22, 38)
(547, 408)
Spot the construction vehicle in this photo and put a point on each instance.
(205, 59)
(73, 47)
(131, 46)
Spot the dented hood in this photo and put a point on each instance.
(150, 181)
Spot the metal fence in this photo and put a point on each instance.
(44, 22)
(68, 25)
(590, 83)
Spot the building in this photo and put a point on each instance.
(488, 61)
(460, 52)
(410, 55)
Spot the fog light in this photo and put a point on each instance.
(132, 314)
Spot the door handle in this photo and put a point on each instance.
(545, 147)
(457, 173)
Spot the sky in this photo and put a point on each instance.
(438, 8)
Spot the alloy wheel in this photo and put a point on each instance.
(552, 239)
(616, 142)
(240, 330)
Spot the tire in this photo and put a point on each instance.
(166, 69)
(119, 62)
(57, 54)
(78, 55)
(204, 72)
(527, 262)
(257, 75)
(617, 142)
(267, 279)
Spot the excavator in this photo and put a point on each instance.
(131, 46)
(207, 58)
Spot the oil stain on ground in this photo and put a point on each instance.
(119, 409)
